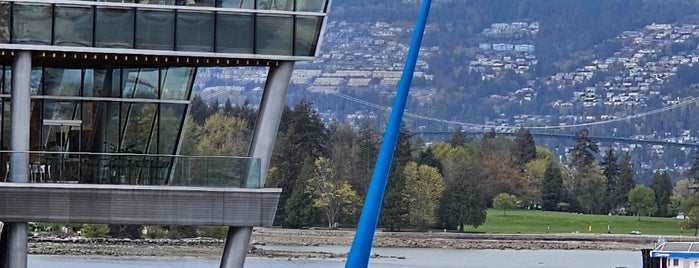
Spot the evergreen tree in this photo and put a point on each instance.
(427, 157)
(526, 147)
(695, 166)
(552, 192)
(214, 106)
(199, 111)
(299, 207)
(582, 154)
(661, 184)
(394, 211)
(625, 183)
(610, 169)
(228, 107)
(305, 137)
(365, 152)
(462, 202)
(246, 112)
(458, 136)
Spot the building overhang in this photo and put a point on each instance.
(82, 57)
(132, 204)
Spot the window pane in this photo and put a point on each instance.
(275, 4)
(195, 31)
(176, 82)
(155, 29)
(5, 9)
(31, 23)
(137, 126)
(246, 4)
(141, 84)
(273, 35)
(234, 33)
(114, 27)
(73, 26)
(62, 82)
(171, 119)
(307, 31)
(310, 5)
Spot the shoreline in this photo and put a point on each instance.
(213, 248)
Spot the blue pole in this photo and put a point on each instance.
(364, 236)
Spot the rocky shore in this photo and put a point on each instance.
(213, 248)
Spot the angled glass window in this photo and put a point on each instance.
(155, 29)
(310, 5)
(176, 82)
(137, 126)
(31, 23)
(73, 26)
(171, 118)
(274, 34)
(114, 27)
(234, 32)
(5, 10)
(307, 31)
(141, 84)
(62, 82)
(276, 4)
(195, 31)
(246, 4)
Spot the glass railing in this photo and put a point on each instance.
(137, 169)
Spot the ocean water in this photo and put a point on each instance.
(438, 258)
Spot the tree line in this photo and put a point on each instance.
(324, 173)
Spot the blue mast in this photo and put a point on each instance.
(364, 236)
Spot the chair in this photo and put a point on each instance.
(45, 172)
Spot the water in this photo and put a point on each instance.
(438, 258)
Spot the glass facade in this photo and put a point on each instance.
(270, 27)
(116, 126)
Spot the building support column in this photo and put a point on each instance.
(263, 139)
(16, 250)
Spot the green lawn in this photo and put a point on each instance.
(531, 222)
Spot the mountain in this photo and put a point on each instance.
(623, 68)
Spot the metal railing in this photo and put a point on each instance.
(137, 169)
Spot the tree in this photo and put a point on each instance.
(505, 201)
(462, 202)
(458, 136)
(591, 194)
(427, 157)
(526, 147)
(95, 230)
(642, 201)
(199, 110)
(300, 208)
(394, 211)
(423, 189)
(223, 136)
(581, 159)
(331, 195)
(552, 192)
(662, 188)
(625, 183)
(365, 152)
(304, 136)
(691, 220)
(610, 169)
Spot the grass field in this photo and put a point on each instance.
(534, 221)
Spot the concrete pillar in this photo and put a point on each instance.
(16, 250)
(265, 133)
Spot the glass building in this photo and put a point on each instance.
(96, 93)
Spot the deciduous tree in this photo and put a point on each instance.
(423, 189)
(332, 195)
(505, 201)
(642, 201)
